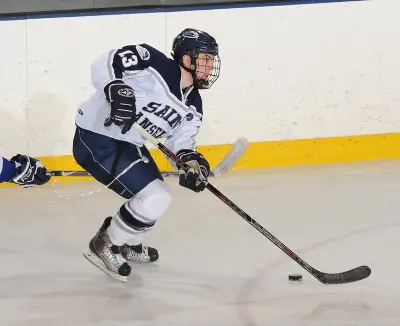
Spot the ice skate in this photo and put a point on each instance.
(106, 256)
(139, 254)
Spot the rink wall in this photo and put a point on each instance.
(303, 82)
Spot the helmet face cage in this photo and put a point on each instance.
(194, 43)
(204, 72)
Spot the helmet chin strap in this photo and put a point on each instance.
(200, 83)
(197, 82)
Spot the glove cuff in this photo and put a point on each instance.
(113, 82)
(190, 155)
(22, 164)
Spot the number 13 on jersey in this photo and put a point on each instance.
(128, 58)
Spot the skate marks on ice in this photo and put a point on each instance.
(66, 300)
(324, 304)
(153, 296)
(48, 281)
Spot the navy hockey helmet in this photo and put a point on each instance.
(193, 42)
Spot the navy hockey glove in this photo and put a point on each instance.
(194, 178)
(30, 171)
(123, 105)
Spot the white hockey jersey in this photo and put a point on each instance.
(163, 108)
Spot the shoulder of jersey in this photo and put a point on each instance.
(166, 67)
(147, 52)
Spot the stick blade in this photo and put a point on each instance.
(235, 153)
(353, 275)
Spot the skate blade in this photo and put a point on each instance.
(130, 262)
(100, 265)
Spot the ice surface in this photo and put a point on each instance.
(214, 268)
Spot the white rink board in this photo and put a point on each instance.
(288, 72)
(13, 97)
(62, 71)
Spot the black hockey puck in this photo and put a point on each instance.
(295, 277)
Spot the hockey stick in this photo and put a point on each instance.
(353, 275)
(237, 150)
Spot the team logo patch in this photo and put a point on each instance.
(144, 54)
(126, 92)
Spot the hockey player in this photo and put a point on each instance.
(137, 83)
(23, 170)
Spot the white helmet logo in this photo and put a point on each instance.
(191, 34)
